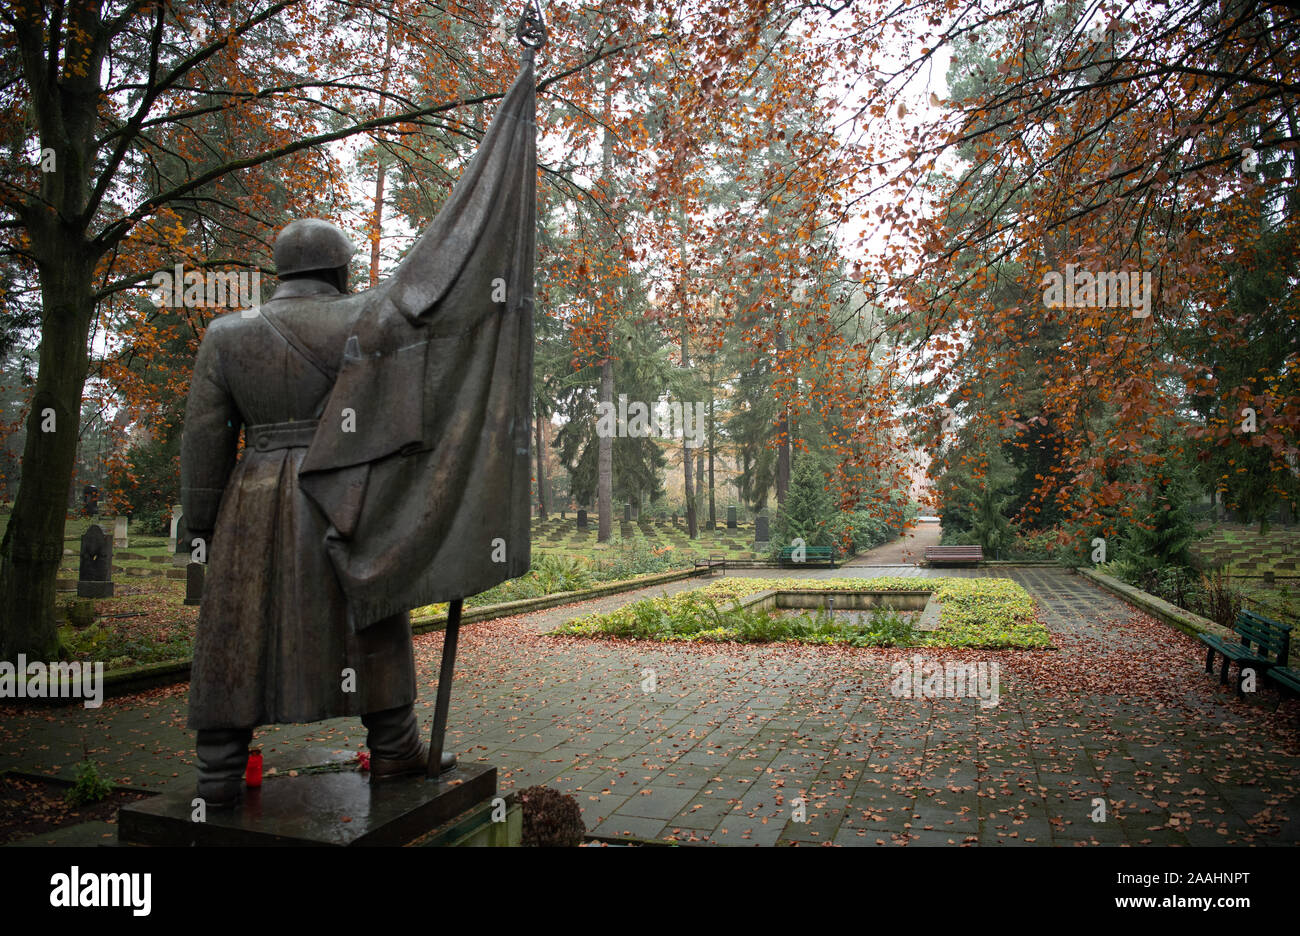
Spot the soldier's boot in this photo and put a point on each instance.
(223, 757)
(396, 750)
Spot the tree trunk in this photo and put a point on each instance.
(377, 218)
(377, 224)
(782, 457)
(32, 548)
(713, 507)
(782, 427)
(605, 446)
(692, 528)
(539, 422)
(699, 486)
(692, 518)
(605, 460)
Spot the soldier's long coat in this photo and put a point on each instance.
(412, 487)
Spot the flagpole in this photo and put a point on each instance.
(449, 640)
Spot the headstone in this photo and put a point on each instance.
(95, 577)
(562, 517)
(90, 500)
(760, 529)
(582, 519)
(193, 583)
(119, 531)
(627, 513)
(731, 517)
(176, 519)
(181, 550)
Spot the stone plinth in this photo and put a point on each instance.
(334, 808)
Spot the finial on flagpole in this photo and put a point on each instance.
(531, 31)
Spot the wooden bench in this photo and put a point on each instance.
(812, 555)
(1264, 644)
(706, 566)
(945, 555)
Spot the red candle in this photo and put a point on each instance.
(253, 773)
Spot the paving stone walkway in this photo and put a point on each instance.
(908, 549)
(747, 744)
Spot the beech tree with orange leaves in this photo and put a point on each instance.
(1113, 139)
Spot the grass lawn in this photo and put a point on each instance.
(1243, 550)
(563, 537)
(990, 613)
(146, 621)
(1246, 555)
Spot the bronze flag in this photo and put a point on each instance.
(420, 461)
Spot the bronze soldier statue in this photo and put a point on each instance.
(273, 645)
(385, 467)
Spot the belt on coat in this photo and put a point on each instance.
(271, 436)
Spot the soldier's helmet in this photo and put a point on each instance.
(311, 244)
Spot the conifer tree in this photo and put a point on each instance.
(808, 509)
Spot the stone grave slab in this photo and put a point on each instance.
(175, 527)
(194, 583)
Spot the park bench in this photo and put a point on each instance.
(812, 555)
(706, 566)
(953, 554)
(1264, 644)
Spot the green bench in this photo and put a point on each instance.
(1287, 679)
(1264, 644)
(812, 555)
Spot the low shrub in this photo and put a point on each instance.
(1210, 594)
(551, 819)
(633, 557)
(88, 788)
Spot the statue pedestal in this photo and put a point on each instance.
(332, 808)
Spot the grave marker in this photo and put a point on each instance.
(95, 575)
(181, 549)
(193, 583)
(176, 519)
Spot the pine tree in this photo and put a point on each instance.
(808, 508)
(1166, 535)
(990, 526)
